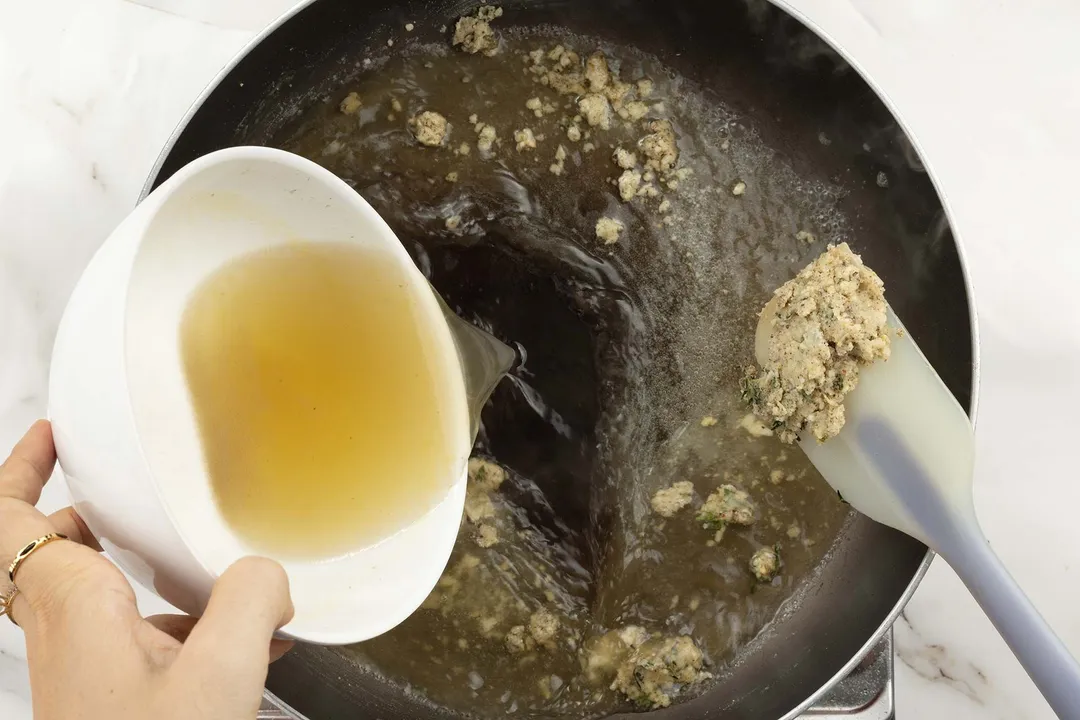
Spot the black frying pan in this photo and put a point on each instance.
(791, 86)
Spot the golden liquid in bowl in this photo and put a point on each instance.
(319, 398)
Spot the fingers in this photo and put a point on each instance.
(67, 522)
(48, 573)
(179, 627)
(249, 602)
(30, 464)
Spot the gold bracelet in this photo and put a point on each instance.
(29, 550)
(6, 601)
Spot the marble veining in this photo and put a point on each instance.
(935, 663)
(91, 89)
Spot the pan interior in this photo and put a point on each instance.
(629, 347)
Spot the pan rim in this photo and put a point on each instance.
(973, 321)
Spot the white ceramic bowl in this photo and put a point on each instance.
(124, 425)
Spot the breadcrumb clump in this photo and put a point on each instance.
(486, 138)
(487, 536)
(609, 229)
(557, 167)
(629, 183)
(658, 670)
(474, 33)
(525, 140)
(485, 475)
(671, 500)
(351, 104)
(727, 506)
(542, 630)
(429, 128)
(596, 110)
(660, 146)
(624, 158)
(484, 478)
(765, 564)
(830, 321)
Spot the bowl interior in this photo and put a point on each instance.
(220, 208)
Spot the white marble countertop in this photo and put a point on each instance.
(90, 90)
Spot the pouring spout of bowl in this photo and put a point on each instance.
(485, 360)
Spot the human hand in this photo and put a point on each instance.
(92, 655)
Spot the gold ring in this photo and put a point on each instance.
(29, 550)
(6, 601)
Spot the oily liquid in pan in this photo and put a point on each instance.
(624, 349)
(319, 397)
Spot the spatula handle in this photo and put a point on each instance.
(946, 515)
(1039, 650)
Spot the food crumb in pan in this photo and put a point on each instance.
(486, 139)
(629, 183)
(429, 128)
(351, 104)
(708, 420)
(573, 133)
(805, 236)
(409, 27)
(524, 139)
(670, 500)
(765, 563)
(485, 475)
(559, 165)
(624, 158)
(658, 670)
(596, 110)
(487, 536)
(830, 321)
(541, 631)
(634, 110)
(644, 87)
(882, 180)
(754, 426)
(517, 640)
(452, 177)
(474, 33)
(738, 188)
(453, 223)
(660, 146)
(727, 506)
(597, 74)
(602, 655)
(608, 230)
(544, 628)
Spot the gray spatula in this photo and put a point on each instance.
(905, 458)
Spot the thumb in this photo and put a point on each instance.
(229, 647)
